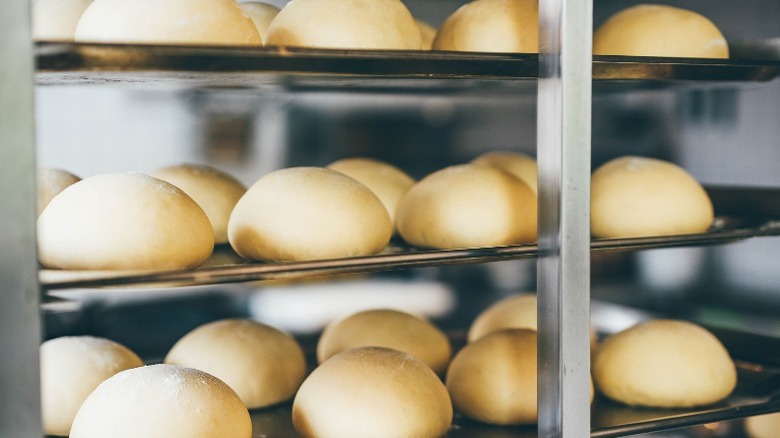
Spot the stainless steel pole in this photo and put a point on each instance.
(563, 131)
(20, 331)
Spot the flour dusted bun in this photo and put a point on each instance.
(664, 363)
(123, 221)
(468, 206)
(387, 328)
(372, 390)
(491, 26)
(50, 183)
(763, 426)
(388, 182)
(71, 368)
(188, 22)
(262, 14)
(636, 196)
(427, 32)
(345, 24)
(261, 364)
(215, 191)
(658, 30)
(308, 213)
(55, 20)
(519, 165)
(162, 401)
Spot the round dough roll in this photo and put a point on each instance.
(192, 22)
(345, 24)
(388, 182)
(50, 183)
(261, 364)
(468, 206)
(658, 30)
(308, 213)
(519, 165)
(262, 14)
(123, 221)
(387, 328)
(491, 26)
(215, 191)
(427, 32)
(56, 20)
(636, 196)
(763, 426)
(71, 368)
(664, 363)
(162, 401)
(374, 390)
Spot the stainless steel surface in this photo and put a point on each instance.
(20, 414)
(563, 269)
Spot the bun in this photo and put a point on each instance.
(50, 183)
(308, 213)
(387, 328)
(468, 206)
(372, 390)
(162, 401)
(261, 364)
(491, 26)
(345, 24)
(657, 30)
(71, 368)
(56, 20)
(427, 32)
(664, 363)
(635, 196)
(763, 426)
(123, 221)
(200, 22)
(520, 165)
(262, 14)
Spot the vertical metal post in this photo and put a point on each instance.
(564, 129)
(19, 294)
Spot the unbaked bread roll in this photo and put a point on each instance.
(308, 213)
(388, 182)
(56, 20)
(468, 206)
(261, 14)
(491, 26)
(636, 196)
(372, 391)
(162, 401)
(71, 368)
(519, 165)
(192, 22)
(659, 30)
(763, 426)
(50, 183)
(123, 221)
(427, 32)
(261, 364)
(345, 24)
(387, 328)
(664, 363)
(215, 191)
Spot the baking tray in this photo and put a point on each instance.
(290, 68)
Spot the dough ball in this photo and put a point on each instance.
(468, 206)
(55, 20)
(215, 191)
(123, 221)
(664, 363)
(261, 14)
(388, 182)
(71, 368)
(636, 196)
(162, 401)
(519, 165)
(50, 183)
(427, 32)
(374, 390)
(308, 213)
(261, 364)
(657, 30)
(187, 22)
(763, 426)
(345, 24)
(387, 328)
(491, 26)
